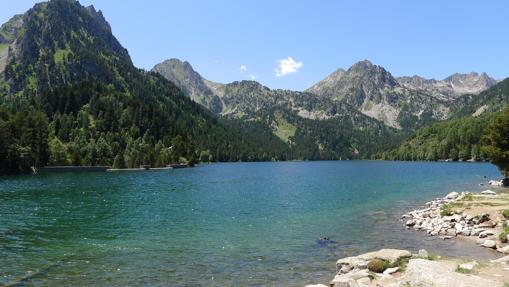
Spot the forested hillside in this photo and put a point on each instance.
(70, 95)
(460, 138)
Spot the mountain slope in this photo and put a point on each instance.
(491, 100)
(451, 87)
(373, 91)
(405, 102)
(191, 83)
(459, 138)
(99, 108)
(313, 126)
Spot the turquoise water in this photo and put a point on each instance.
(237, 224)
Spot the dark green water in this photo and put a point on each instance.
(239, 224)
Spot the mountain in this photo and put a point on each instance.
(406, 102)
(451, 87)
(460, 137)
(191, 83)
(314, 126)
(70, 95)
(492, 100)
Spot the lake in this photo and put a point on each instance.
(228, 224)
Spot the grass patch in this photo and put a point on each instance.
(505, 213)
(446, 210)
(284, 129)
(463, 270)
(468, 197)
(401, 263)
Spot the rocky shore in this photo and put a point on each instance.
(481, 218)
(477, 216)
(401, 268)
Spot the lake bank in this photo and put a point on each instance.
(476, 218)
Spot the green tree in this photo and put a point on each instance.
(496, 140)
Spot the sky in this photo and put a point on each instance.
(293, 44)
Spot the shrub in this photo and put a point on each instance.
(503, 236)
(378, 265)
(445, 210)
(505, 213)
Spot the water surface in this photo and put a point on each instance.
(236, 224)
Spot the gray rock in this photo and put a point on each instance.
(489, 244)
(389, 271)
(426, 273)
(486, 233)
(504, 249)
(469, 265)
(452, 195)
(488, 192)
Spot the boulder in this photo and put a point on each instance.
(426, 273)
(469, 265)
(486, 233)
(391, 255)
(389, 271)
(344, 265)
(504, 249)
(316, 285)
(410, 222)
(489, 243)
(504, 259)
(452, 195)
(488, 192)
(343, 281)
(361, 261)
(496, 182)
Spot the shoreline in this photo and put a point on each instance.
(475, 218)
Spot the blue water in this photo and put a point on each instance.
(236, 224)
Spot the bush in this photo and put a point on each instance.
(505, 213)
(378, 265)
(446, 210)
(503, 236)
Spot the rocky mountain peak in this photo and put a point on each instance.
(370, 74)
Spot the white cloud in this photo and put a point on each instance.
(253, 77)
(243, 68)
(287, 66)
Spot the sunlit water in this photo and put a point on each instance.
(238, 224)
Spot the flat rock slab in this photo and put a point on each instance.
(391, 255)
(426, 273)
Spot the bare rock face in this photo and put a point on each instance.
(425, 273)
(451, 87)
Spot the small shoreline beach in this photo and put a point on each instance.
(475, 218)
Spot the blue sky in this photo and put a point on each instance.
(228, 40)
